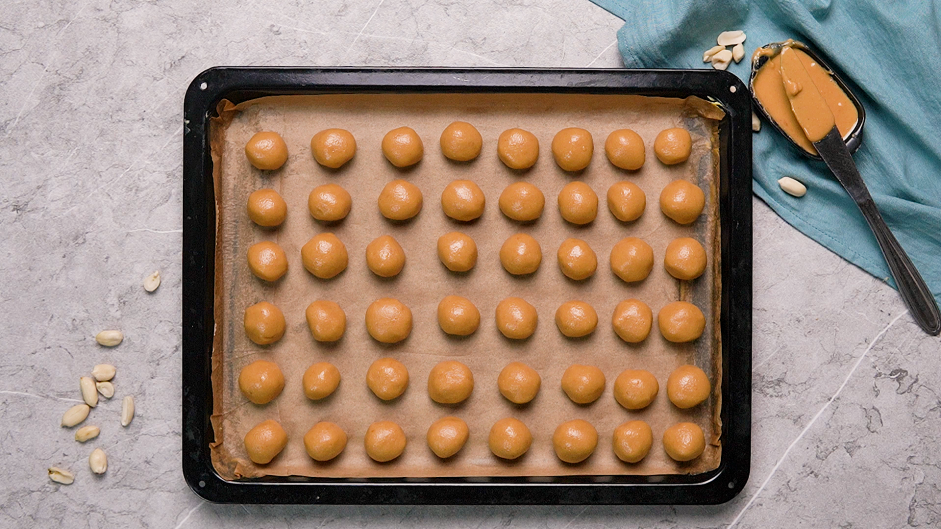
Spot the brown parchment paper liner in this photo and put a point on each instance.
(424, 281)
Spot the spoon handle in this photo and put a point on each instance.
(912, 287)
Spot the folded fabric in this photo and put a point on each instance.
(890, 55)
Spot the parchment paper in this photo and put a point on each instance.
(424, 281)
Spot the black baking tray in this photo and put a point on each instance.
(735, 210)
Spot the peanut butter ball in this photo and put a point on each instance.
(519, 383)
(626, 201)
(458, 316)
(324, 256)
(400, 200)
(388, 320)
(685, 258)
(578, 204)
(387, 378)
(521, 254)
(447, 436)
(384, 441)
(461, 142)
(333, 147)
(385, 257)
(682, 201)
(266, 208)
(266, 151)
(631, 259)
(326, 320)
(450, 382)
(325, 441)
(267, 261)
(632, 320)
(574, 440)
(680, 321)
(522, 201)
(509, 438)
(583, 384)
(329, 203)
(264, 323)
(576, 319)
(517, 148)
(321, 380)
(576, 259)
(457, 251)
(688, 386)
(516, 318)
(632, 441)
(463, 200)
(402, 147)
(684, 441)
(673, 146)
(265, 441)
(572, 149)
(625, 149)
(635, 389)
(261, 381)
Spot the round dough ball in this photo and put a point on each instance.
(321, 380)
(583, 384)
(517, 148)
(333, 147)
(576, 259)
(509, 438)
(324, 255)
(631, 259)
(457, 251)
(682, 201)
(522, 201)
(402, 147)
(688, 386)
(463, 200)
(681, 321)
(576, 319)
(450, 382)
(458, 316)
(329, 203)
(266, 151)
(388, 320)
(626, 201)
(635, 389)
(572, 149)
(387, 378)
(385, 257)
(684, 441)
(516, 318)
(384, 441)
(578, 204)
(461, 142)
(267, 208)
(400, 200)
(261, 381)
(447, 436)
(267, 261)
(521, 254)
(632, 441)
(324, 441)
(265, 441)
(625, 149)
(519, 383)
(326, 320)
(264, 323)
(632, 320)
(574, 441)
(673, 146)
(685, 258)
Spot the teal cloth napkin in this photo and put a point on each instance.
(889, 53)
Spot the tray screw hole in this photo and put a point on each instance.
(204, 86)
(731, 88)
(202, 484)
(731, 484)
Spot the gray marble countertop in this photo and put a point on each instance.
(847, 412)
